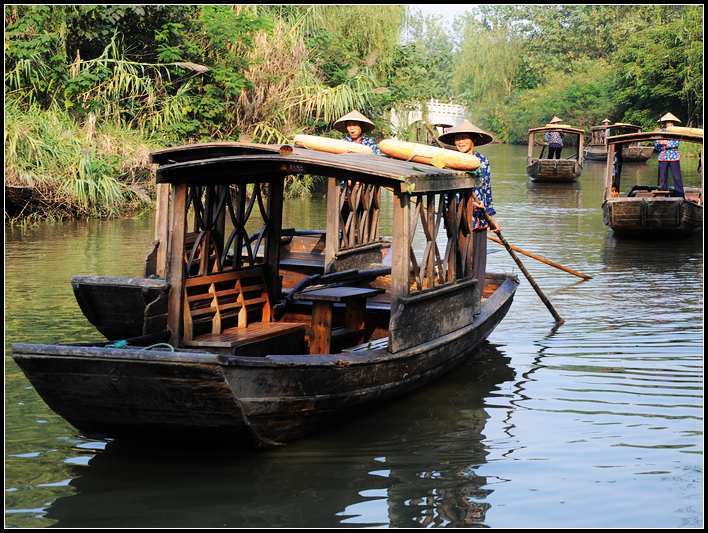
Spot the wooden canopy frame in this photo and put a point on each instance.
(434, 197)
(564, 129)
(613, 175)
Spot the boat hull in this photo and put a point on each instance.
(121, 307)
(636, 154)
(109, 392)
(653, 217)
(596, 153)
(630, 154)
(271, 400)
(554, 170)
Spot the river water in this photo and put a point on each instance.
(597, 423)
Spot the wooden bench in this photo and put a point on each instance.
(230, 309)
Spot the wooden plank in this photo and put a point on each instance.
(355, 317)
(175, 272)
(401, 247)
(273, 233)
(232, 337)
(229, 275)
(337, 294)
(321, 328)
(454, 306)
(162, 227)
(333, 216)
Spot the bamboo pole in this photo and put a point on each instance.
(492, 222)
(542, 259)
(541, 295)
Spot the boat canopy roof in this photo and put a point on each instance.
(214, 163)
(625, 125)
(654, 136)
(559, 127)
(193, 152)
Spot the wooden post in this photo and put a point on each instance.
(332, 236)
(321, 328)
(175, 270)
(162, 216)
(608, 170)
(272, 251)
(529, 154)
(400, 263)
(581, 143)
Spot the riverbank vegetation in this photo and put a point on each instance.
(90, 90)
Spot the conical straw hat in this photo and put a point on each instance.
(668, 117)
(479, 136)
(555, 120)
(354, 116)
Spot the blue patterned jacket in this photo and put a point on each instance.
(483, 192)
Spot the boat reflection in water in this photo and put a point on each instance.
(411, 464)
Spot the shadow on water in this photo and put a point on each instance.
(410, 463)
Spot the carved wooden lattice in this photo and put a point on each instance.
(359, 209)
(240, 206)
(453, 212)
(203, 245)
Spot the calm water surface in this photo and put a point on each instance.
(598, 423)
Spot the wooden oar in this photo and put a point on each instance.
(541, 259)
(546, 301)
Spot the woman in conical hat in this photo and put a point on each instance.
(668, 119)
(554, 140)
(465, 137)
(669, 157)
(354, 125)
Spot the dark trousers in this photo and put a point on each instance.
(675, 167)
(554, 151)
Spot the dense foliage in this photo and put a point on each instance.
(160, 75)
(520, 65)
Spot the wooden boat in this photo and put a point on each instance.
(645, 210)
(275, 336)
(596, 150)
(555, 170)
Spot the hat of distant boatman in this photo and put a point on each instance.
(479, 136)
(668, 117)
(354, 116)
(555, 120)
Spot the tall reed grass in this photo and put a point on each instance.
(56, 168)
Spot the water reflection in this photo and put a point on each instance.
(405, 464)
(565, 195)
(647, 256)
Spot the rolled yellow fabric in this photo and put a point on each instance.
(333, 146)
(429, 155)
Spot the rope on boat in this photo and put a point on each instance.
(172, 348)
(124, 344)
(118, 344)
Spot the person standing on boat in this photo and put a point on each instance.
(355, 125)
(554, 140)
(465, 137)
(669, 157)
